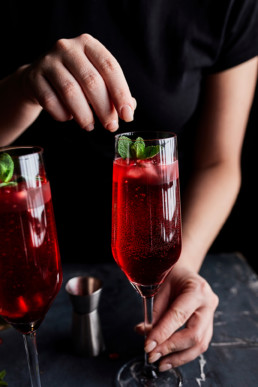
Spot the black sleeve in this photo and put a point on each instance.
(240, 37)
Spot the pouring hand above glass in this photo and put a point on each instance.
(30, 269)
(146, 227)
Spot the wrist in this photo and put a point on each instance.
(17, 111)
(189, 261)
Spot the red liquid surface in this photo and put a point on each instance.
(146, 220)
(30, 270)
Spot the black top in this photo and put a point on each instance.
(165, 49)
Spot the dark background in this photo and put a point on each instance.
(240, 231)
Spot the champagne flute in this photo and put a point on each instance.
(146, 229)
(30, 269)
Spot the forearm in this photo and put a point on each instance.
(205, 207)
(216, 181)
(17, 112)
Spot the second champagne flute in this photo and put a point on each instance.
(30, 268)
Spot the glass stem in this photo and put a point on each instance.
(32, 357)
(148, 310)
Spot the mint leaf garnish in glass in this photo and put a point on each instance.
(2, 376)
(6, 167)
(151, 151)
(124, 144)
(6, 170)
(136, 149)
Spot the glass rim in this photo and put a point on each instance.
(160, 135)
(33, 149)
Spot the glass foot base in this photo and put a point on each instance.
(132, 375)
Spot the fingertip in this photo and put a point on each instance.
(154, 357)
(126, 113)
(89, 127)
(165, 367)
(112, 126)
(150, 345)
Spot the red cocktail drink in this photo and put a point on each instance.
(30, 268)
(146, 222)
(30, 271)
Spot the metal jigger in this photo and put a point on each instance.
(85, 294)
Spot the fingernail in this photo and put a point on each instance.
(126, 113)
(89, 127)
(154, 357)
(112, 126)
(150, 346)
(165, 367)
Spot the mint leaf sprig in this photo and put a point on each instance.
(136, 149)
(2, 376)
(6, 167)
(6, 170)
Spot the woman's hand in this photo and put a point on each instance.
(184, 301)
(76, 77)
